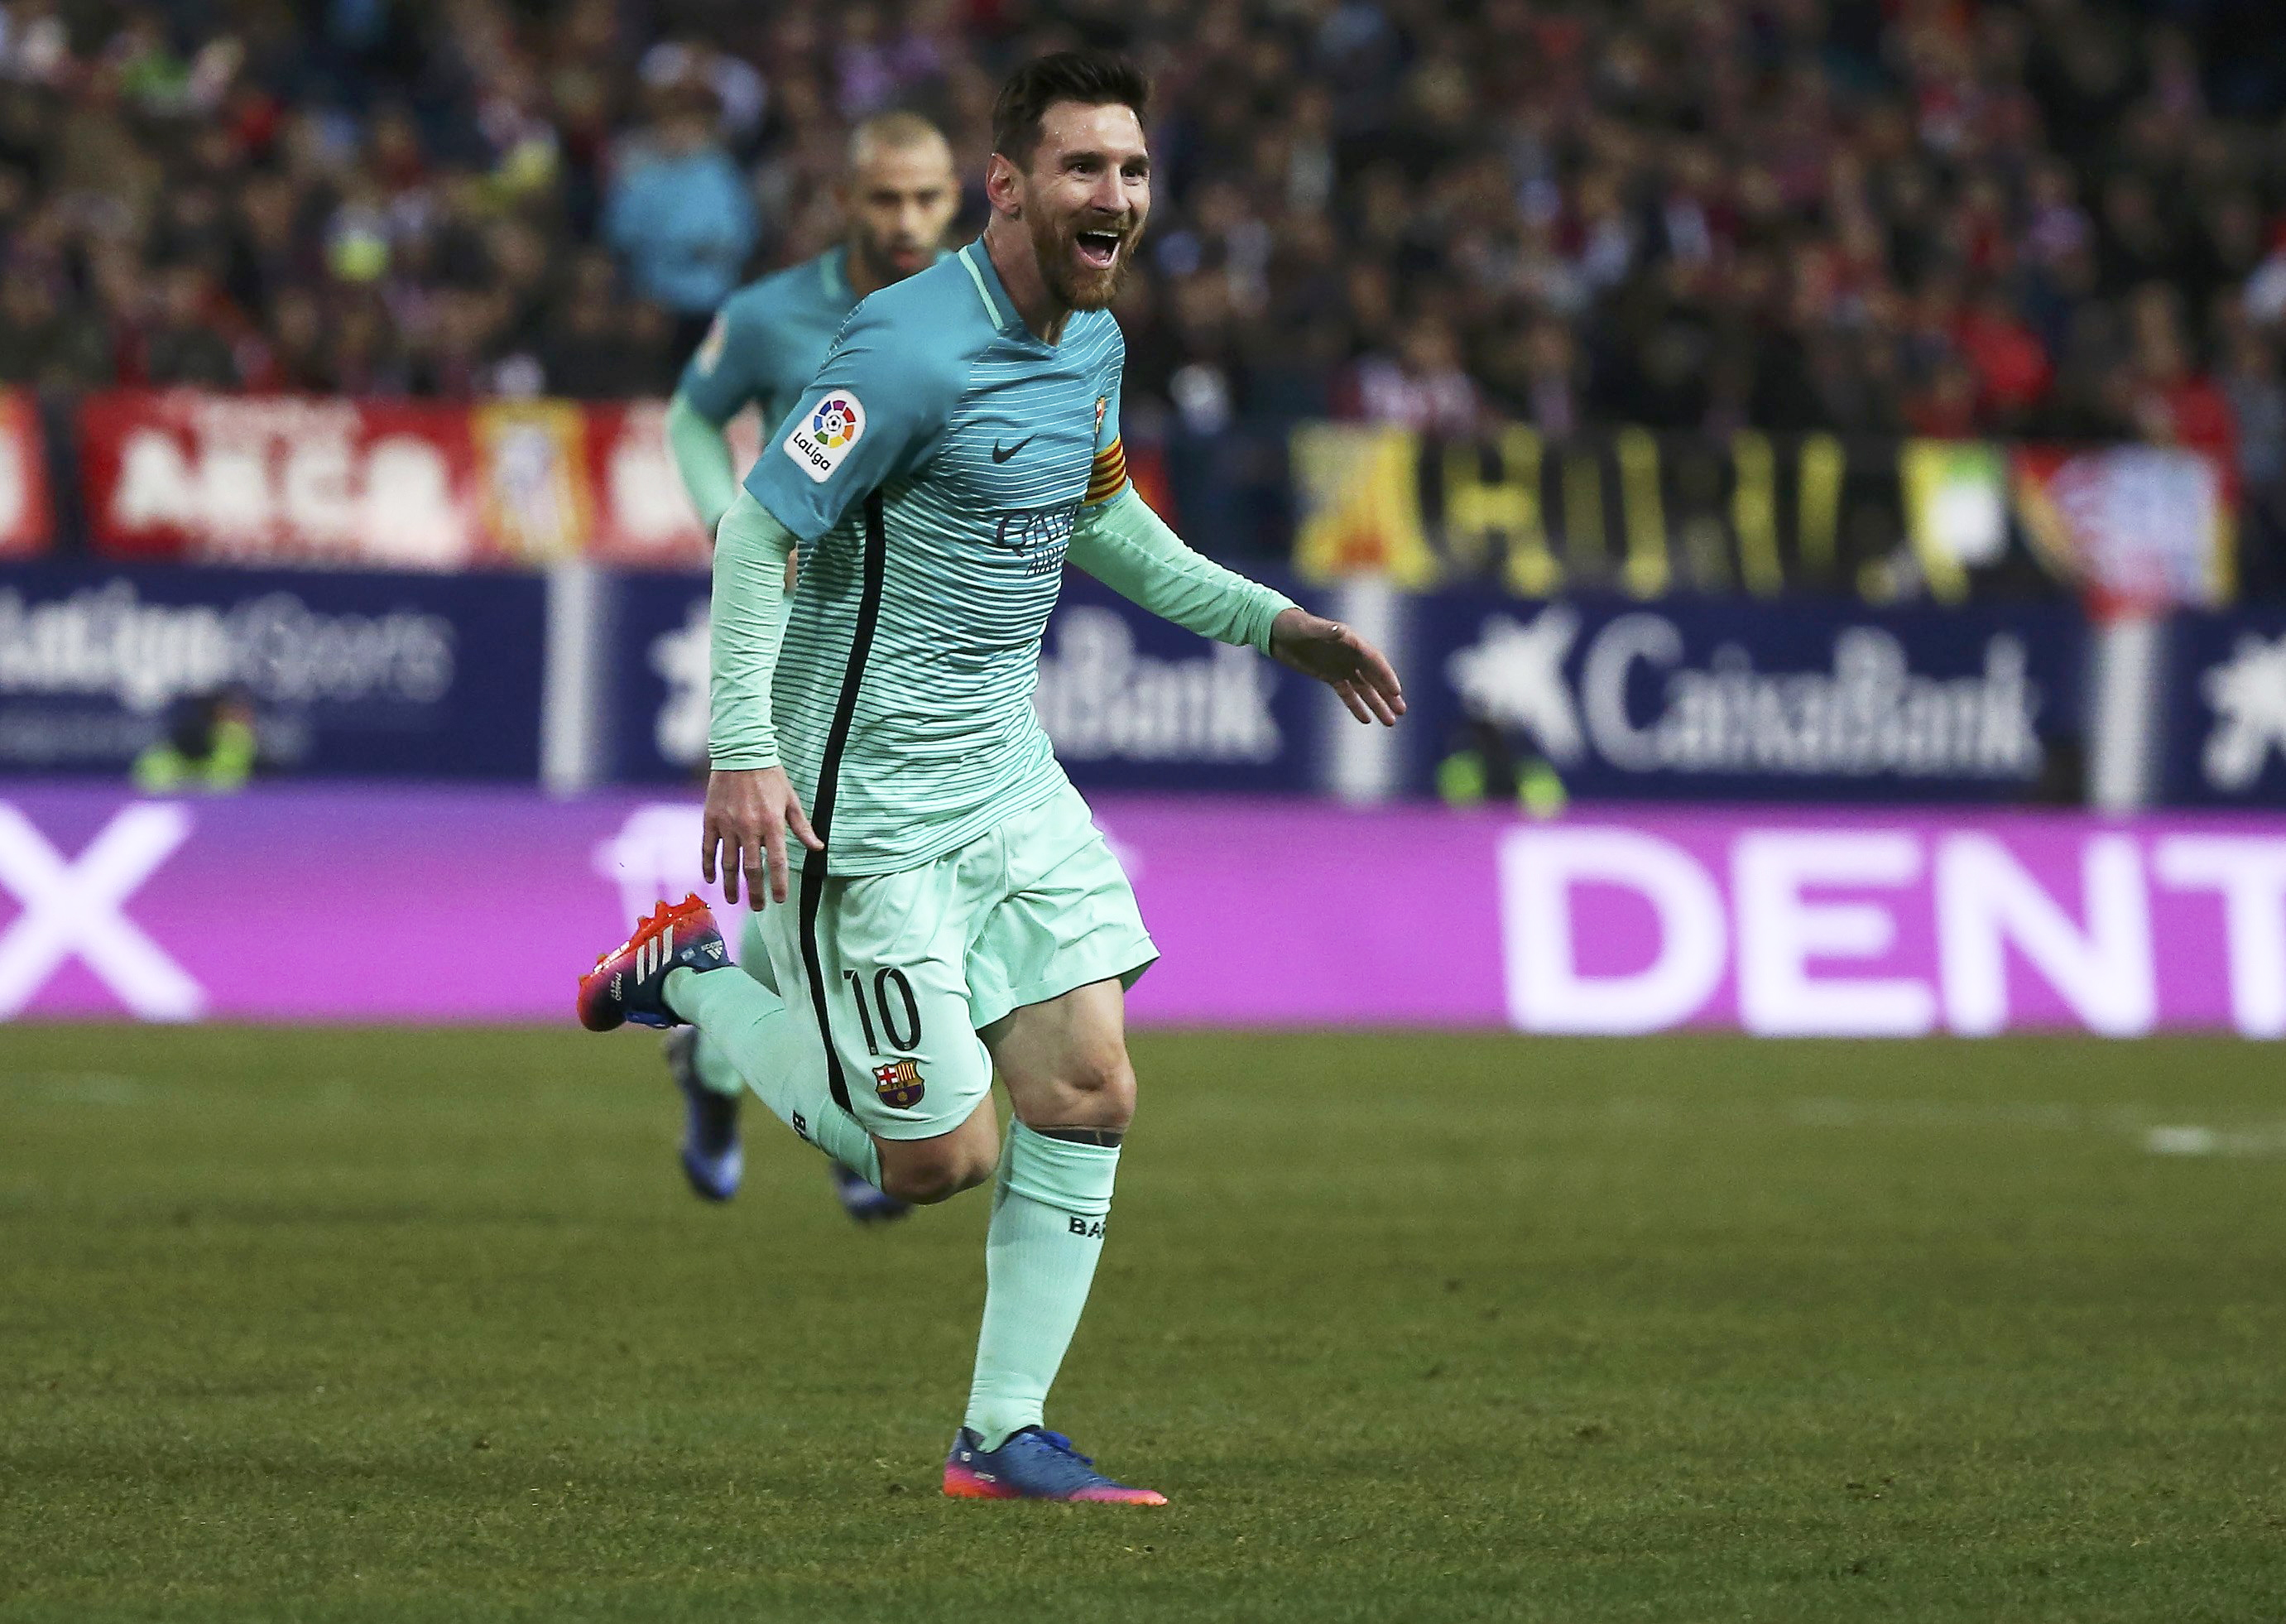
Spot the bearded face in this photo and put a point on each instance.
(1085, 196)
(1083, 255)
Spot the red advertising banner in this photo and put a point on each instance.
(26, 521)
(305, 480)
(298, 480)
(643, 516)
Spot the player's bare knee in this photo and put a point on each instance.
(1096, 1090)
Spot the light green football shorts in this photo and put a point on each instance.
(903, 970)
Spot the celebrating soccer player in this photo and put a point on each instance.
(953, 909)
(767, 343)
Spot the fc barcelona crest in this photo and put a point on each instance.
(899, 1084)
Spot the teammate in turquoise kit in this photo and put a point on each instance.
(953, 910)
(767, 343)
(769, 339)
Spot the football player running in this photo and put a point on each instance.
(934, 903)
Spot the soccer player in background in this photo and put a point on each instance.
(954, 911)
(769, 339)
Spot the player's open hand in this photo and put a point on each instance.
(748, 814)
(1337, 657)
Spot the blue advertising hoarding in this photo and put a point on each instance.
(655, 695)
(1131, 701)
(2225, 708)
(354, 674)
(1810, 700)
(1134, 702)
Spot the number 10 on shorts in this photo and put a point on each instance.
(893, 996)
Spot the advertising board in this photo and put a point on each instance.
(329, 905)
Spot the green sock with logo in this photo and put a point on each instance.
(1048, 1216)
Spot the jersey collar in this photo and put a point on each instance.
(997, 304)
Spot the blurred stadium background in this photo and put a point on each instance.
(1820, 468)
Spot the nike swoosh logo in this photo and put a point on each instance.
(998, 455)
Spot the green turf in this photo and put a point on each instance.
(407, 1325)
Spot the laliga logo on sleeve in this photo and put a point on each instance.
(820, 440)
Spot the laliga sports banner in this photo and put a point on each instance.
(384, 485)
(348, 674)
(1812, 698)
(1129, 701)
(1789, 924)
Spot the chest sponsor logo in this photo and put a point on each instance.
(819, 441)
(1040, 536)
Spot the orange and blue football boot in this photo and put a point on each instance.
(629, 982)
(1034, 1464)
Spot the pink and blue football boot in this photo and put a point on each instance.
(629, 982)
(1034, 1464)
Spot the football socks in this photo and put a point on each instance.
(1048, 1213)
(777, 1055)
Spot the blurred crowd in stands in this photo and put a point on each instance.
(2056, 216)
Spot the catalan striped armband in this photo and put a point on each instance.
(1108, 476)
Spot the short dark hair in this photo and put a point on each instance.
(1093, 78)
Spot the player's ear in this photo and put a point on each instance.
(1003, 186)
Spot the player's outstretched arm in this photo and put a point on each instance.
(1128, 548)
(750, 805)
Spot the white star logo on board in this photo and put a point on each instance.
(1514, 676)
(680, 658)
(2248, 692)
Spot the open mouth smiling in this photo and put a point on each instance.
(1098, 248)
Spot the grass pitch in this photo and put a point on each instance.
(401, 1325)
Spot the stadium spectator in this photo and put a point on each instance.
(1419, 383)
(680, 216)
